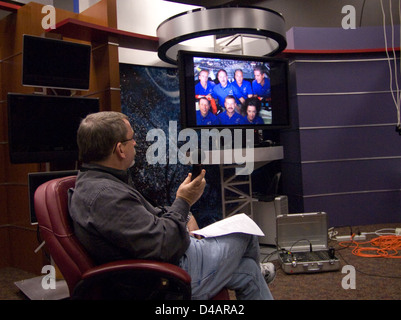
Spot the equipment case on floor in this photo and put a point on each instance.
(302, 241)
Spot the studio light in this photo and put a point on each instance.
(245, 30)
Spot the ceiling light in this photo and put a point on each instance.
(253, 31)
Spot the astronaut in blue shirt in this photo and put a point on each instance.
(244, 86)
(204, 87)
(224, 88)
(203, 116)
(230, 116)
(252, 108)
(261, 84)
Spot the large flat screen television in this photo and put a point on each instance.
(44, 128)
(54, 63)
(233, 91)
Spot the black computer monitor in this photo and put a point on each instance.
(55, 63)
(44, 128)
(35, 179)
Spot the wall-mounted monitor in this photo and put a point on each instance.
(54, 63)
(35, 179)
(233, 91)
(44, 128)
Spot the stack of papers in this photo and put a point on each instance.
(239, 223)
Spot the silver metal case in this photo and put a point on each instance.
(303, 241)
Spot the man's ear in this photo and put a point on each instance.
(119, 151)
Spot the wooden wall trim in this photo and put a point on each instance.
(103, 13)
(17, 236)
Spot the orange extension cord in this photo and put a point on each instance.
(380, 247)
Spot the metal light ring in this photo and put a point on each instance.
(168, 50)
(222, 20)
(225, 7)
(221, 17)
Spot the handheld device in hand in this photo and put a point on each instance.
(197, 159)
(196, 170)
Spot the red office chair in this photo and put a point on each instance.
(127, 279)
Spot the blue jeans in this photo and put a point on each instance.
(230, 261)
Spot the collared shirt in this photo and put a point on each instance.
(199, 90)
(221, 93)
(261, 91)
(113, 221)
(245, 89)
(209, 120)
(236, 118)
(256, 120)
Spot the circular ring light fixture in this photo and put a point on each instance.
(262, 31)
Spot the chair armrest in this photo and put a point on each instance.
(134, 279)
(162, 268)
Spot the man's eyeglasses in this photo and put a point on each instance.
(122, 141)
(126, 140)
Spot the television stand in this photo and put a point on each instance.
(236, 190)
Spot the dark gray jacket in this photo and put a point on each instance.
(114, 221)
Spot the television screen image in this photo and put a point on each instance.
(222, 90)
(44, 128)
(54, 63)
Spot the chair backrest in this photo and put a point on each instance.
(51, 206)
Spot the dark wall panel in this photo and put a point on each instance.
(351, 176)
(346, 110)
(349, 143)
(348, 160)
(358, 208)
(353, 75)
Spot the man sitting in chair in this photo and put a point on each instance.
(113, 220)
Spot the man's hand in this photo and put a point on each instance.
(191, 191)
(192, 225)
